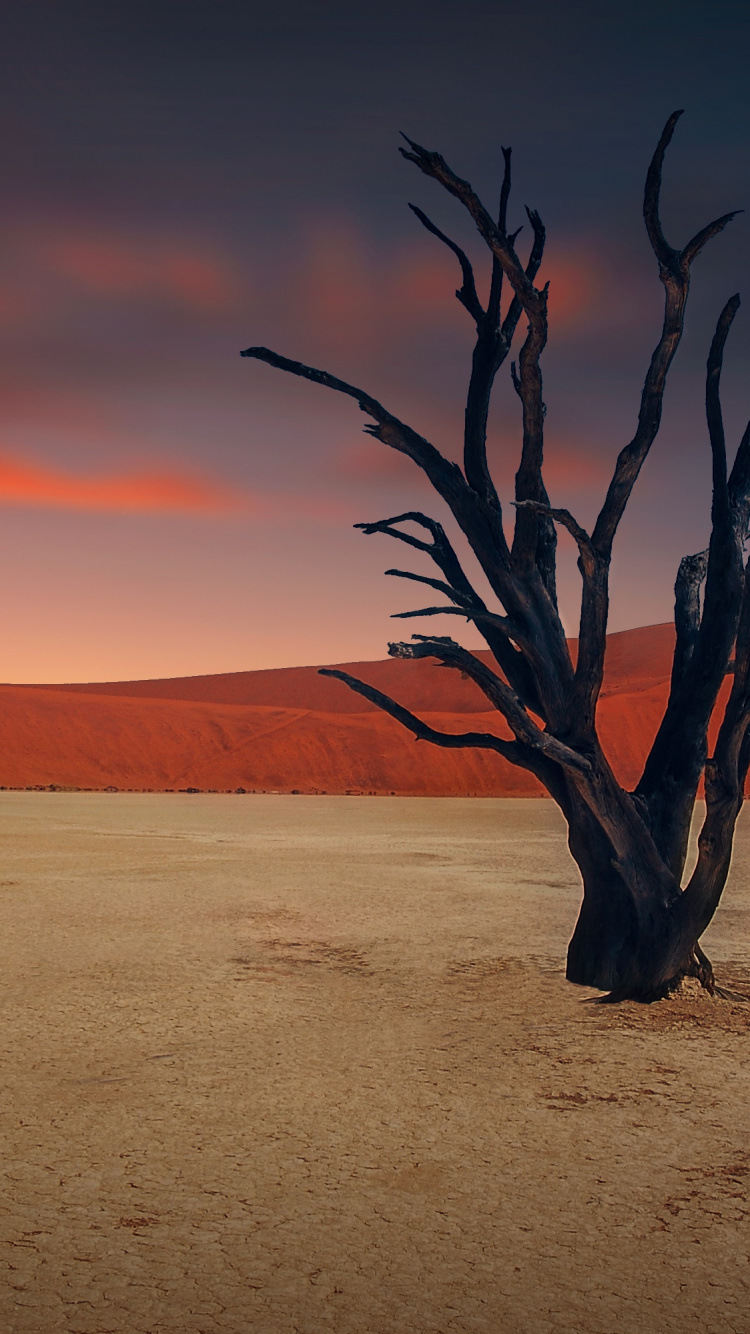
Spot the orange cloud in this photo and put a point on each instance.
(29, 485)
(110, 267)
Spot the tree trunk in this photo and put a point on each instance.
(633, 937)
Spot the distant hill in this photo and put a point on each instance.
(289, 729)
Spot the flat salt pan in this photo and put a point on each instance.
(303, 1063)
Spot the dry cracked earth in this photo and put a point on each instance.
(294, 1065)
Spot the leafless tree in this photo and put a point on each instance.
(639, 926)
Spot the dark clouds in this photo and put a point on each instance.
(180, 179)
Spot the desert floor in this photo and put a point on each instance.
(299, 1064)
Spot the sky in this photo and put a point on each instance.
(180, 179)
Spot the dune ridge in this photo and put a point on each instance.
(289, 729)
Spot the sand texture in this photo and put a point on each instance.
(292, 730)
(301, 1064)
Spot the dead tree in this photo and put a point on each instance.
(639, 927)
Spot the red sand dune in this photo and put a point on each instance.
(290, 729)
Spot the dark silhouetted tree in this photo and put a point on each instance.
(639, 926)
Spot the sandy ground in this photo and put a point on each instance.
(298, 1064)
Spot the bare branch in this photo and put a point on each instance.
(667, 256)
(566, 520)
(704, 639)
(502, 217)
(663, 251)
(445, 476)
(467, 293)
(534, 540)
(510, 750)
(687, 611)
(498, 631)
(739, 485)
(739, 478)
(496, 283)
(674, 271)
(494, 340)
(478, 521)
(593, 573)
(472, 611)
(532, 268)
(432, 164)
(439, 549)
(725, 775)
(500, 695)
(492, 347)
(437, 584)
(432, 611)
(707, 233)
(480, 617)
(720, 509)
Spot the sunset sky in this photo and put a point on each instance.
(183, 178)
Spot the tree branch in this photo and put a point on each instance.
(510, 750)
(663, 251)
(437, 584)
(674, 273)
(432, 164)
(704, 639)
(439, 549)
(500, 695)
(498, 631)
(532, 268)
(467, 293)
(687, 612)
(725, 775)
(477, 520)
(582, 711)
(445, 476)
(566, 520)
(534, 539)
(493, 339)
(496, 282)
(480, 617)
(739, 477)
(720, 507)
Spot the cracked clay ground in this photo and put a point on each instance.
(303, 1065)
